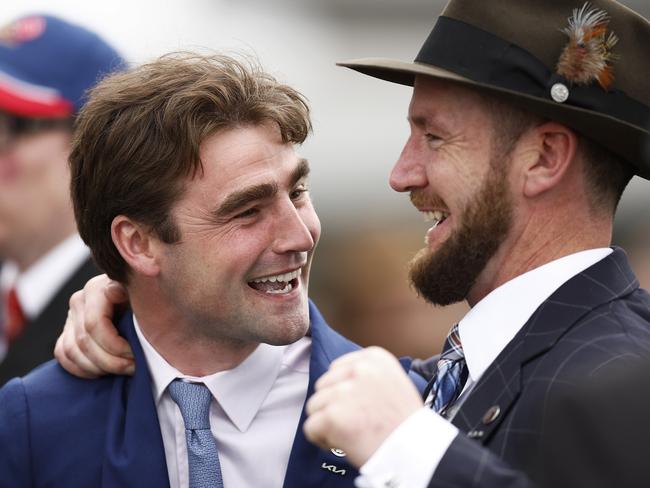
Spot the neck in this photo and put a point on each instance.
(177, 340)
(544, 237)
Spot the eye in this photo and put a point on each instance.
(251, 212)
(298, 192)
(431, 137)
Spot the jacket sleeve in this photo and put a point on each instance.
(467, 463)
(15, 459)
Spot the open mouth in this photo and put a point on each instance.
(279, 284)
(437, 217)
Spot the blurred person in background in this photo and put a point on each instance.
(46, 66)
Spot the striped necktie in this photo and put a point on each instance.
(451, 374)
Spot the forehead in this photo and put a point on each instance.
(246, 156)
(437, 101)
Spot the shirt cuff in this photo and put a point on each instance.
(410, 454)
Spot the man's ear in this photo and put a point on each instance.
(550, 151)
(136, 245)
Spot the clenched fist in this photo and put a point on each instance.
(363, 397)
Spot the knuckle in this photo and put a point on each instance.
(90, 326)
(360, 370)
(76, 299)
(378, 352)
(83, 342)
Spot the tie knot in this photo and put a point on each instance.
(453, 349)
(194, 401)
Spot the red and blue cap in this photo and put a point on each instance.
(48, 64)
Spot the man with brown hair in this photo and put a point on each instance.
(527, 121)
(187, 188)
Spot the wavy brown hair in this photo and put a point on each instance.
(137, 139)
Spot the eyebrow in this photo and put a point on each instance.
(241, 198)
(301, 171)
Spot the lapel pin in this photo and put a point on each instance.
(491, 415)
(338, 452)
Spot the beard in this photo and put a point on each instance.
(445, 276)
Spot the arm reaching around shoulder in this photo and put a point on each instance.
(89, 345)
(359, 402)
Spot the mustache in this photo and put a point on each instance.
(420, 199)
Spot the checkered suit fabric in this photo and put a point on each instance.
(595, 320)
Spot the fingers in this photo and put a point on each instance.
(70, 356)
(358, 402)
(116, 293)
(99, 334)
(365, 362)
(113, 355)
(90, 345)
(315, 428)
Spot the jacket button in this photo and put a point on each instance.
(491, 415)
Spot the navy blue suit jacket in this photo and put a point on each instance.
(60, 431)
(596, 320)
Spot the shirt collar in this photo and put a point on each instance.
(240, 391)
(494, 321)
(37, 285)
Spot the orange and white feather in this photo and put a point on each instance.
(588, 55)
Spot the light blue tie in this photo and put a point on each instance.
(194, 401)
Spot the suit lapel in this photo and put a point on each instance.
(497, 391)
(308, 464)
(134, 446)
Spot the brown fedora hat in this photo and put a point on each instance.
(586, 65)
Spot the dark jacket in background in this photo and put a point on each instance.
(36, 344)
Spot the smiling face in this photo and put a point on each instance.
(248, 231)
(458, 179)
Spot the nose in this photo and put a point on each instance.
(409, 171)
(297, 229)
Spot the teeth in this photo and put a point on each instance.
(286, 289)
(286, 277)
(436, 216)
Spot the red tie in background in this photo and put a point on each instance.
(14, 316)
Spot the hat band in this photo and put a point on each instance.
(482, 57)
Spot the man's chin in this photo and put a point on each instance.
(288, 333)
(436, 278)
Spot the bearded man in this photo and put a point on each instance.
(528, 119)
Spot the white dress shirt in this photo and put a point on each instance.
(411, 454)
(37, 285)
(254, 414)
